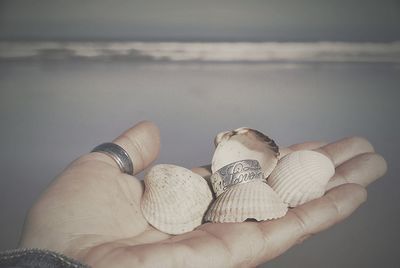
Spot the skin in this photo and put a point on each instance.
(91, 211)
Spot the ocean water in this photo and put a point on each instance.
(55, 106)
(205, 51)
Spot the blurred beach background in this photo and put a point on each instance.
(74, 74)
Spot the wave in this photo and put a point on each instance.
(204, 51)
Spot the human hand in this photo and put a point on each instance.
(91, 212)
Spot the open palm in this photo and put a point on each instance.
(91, 212)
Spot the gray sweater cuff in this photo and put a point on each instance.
(28, 258)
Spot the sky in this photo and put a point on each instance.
(201, 20)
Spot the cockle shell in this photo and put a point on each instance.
(252, 200)
(301, 176)
(245, 143)
(175, 199)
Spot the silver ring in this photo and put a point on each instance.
(119, 155)
(238, 172)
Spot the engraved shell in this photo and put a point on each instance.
(252, 200)
(175, 199)
(301, 176)
(245, 143)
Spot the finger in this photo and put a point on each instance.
(345, 149)
(141, 142)
(362, 169)
(310, 145)
(249, 243)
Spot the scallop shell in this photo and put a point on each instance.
(245, 143)
(252, 200)
(301, 176)
(175, 199)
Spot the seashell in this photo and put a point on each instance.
(301, 176)
(245, 143)
(220, 136)
(252, 200)
(175, 199)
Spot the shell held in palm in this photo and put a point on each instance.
(175, 199)
(244, 143)
(252, 200)
(301, 176)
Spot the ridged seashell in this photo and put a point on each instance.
(245, 143)
(301, 176)
(175, 199)
(252, 200)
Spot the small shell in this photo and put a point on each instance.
(252, 200)
(175, 199)
(219, 137)
(301, 176)
(245, 143)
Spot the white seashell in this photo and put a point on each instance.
(301, 176)
(245, 143)
(175, 199)
(219, 137)
(252, 200)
